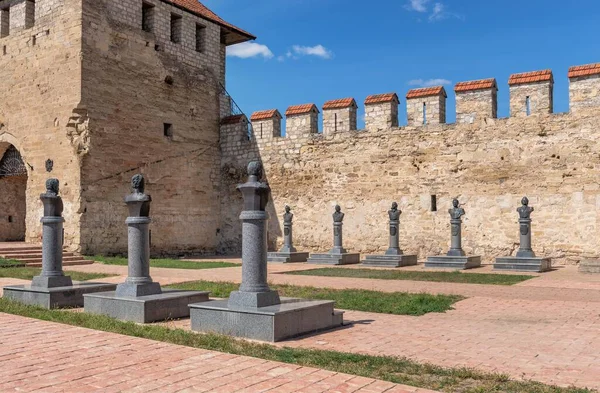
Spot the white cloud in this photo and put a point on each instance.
(429, 82)
(436, 13)
(417, 5)
(246, 50)
(317, 50)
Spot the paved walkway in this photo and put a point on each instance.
(38, 356)
(545, 329)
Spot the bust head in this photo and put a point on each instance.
(394, 206)
(525, 201)
(138, 184)
(287, 209)
(338, 208)
(255, 170)
(455, 203)
(52, 186)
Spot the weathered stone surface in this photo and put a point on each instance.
(523, 264)
(55, 297)
(485, 163)
(390, 260)
(170, 304)
(291, 318)
(589, 266)
(453, 262)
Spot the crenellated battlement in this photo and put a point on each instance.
(531, 94)
(488, 162)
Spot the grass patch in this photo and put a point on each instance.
(456, 276)
(396, 370)
(27, 273)
(398, 303)
(9, 263)
(167, 263)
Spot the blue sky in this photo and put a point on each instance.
(316, 50)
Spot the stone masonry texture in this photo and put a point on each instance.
(489, 165)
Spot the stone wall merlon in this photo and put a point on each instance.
(265, 115)
(426, 92)
(474, 85)
(301, 109)
(382, 98)
(234, 119)
(531, 77)
(584, 70)
(340, 103)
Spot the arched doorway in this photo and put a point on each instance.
(13, 187)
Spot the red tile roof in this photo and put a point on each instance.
(531, 77)
(584, 70)
(265, 115)
(233, 119)
(339, 103)
(381, 98)
(426, 92)
(475, 85)
(200, 9)
(300, 109)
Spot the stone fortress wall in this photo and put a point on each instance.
(488, 163)
(153, 104)
(40, 58)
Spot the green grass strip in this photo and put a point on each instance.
(27, 273)
(9, 263)
(167, 263)
(454, 277)
(392, 369)
(399, 303)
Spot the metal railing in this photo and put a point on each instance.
(234, 109)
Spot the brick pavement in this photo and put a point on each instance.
(544, 329)
(39, 356)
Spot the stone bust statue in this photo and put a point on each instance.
(138, 202)
(255, 171)
(456, 212)
(288, 216)
(53, 204)
(394, 212)
(338, 216)
(525, 211)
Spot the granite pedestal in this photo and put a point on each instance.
(255, 311)
(290, 318)
(590, 266)
(453, 262)
(334, 259)
(288, 253)
(52, 288)
(525, 260)
(58, 297)
(139, 299)
(287, 257)
(456, 257)
(523, 264)
(170, 304)
(394, 256)
(390, 260)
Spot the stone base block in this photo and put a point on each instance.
(589, 266)
(287, 257)
(523, 264)
(51, 281)
(452, 262)
(171, 304)
(390, 260)
(291, 318)
(334, 259)
(253, 299)
(60, 297)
